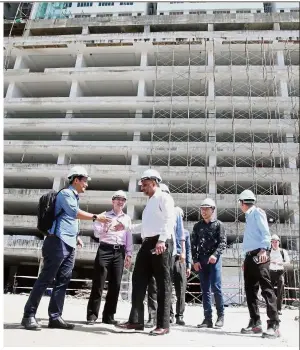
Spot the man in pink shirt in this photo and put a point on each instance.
(114, 252)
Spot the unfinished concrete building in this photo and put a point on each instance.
(210, 101)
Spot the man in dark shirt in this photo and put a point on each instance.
(208, 243)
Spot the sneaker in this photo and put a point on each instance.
(207, 323)
(272, 331)
(220, 322)
(254, 327)
(172, 319)
(279, 312)
(150, 324)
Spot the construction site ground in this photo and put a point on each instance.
(107, 335)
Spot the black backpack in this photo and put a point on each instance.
(46, 211)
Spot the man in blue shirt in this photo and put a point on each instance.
(59, 252)
(256, 248)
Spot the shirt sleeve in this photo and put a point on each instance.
(167, 209)
(262, 224)
(188, 250)
(194, 244)
(135, 228)
(286, 257)
(128, 241)
(223, 240)
(69, 203)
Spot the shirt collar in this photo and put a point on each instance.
(213, 219)
(74, 190)
(249, 211)
(158, 192)
(113, 213)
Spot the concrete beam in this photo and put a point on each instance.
(170, 173)
(133, 103)
(140, 124)
(193, 199)
(146, 148)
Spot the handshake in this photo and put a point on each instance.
(113, 224)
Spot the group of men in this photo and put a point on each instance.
(166, 256)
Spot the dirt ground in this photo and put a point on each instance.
(106, 335)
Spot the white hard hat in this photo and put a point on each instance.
(150, 174)
(275, 238)
(164, 188)
(119, 194)
(208, 203)
(78, 171)
(247, 196)
(179, 211)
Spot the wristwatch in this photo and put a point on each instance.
(94, 217)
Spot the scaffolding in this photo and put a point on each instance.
(198, 79)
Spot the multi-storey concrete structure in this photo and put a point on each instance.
(211, 101)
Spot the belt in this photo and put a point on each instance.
(277, 270)
(150, 238)
(253, 252)
(112, 246)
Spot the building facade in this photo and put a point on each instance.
(210, 101)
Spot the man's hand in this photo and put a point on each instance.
(212, 259)
(182, 258)
(160, 247)
(127, 262)
(262, 256)
(188, 272)
(79, 242)
(102, 218)
(197, 266)
(117, 226)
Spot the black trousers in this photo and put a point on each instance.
(146, 266)
(256, 275)
(109, 260)
(178, 277)
(277, 279)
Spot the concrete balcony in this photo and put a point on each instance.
(145, 125)
(126, 172)
(139, 199)
(133, 103)
(240, 73)
(12, 222)
(146, 148)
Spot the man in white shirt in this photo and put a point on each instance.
(154, 256)
(278, 259)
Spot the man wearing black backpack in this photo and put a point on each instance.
(59, 251)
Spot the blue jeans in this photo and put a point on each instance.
(59, 259)
(210, 279)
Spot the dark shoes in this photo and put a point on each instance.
(279, 312)
(272, 331)
(160, 331)
(131, 326)
(172, 319)
(207, 323)
(109, 320)
(220, 322)
(254, 327)
(60, 323)
(91, 320)
(151, 323)
(31, 324)
(179, 320)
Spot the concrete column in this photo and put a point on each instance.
(210, 27)
(69, 114)
(13, 91)
(212, 161)
(292, 163)
(139, 113)
(20, 63)
(212, 188)
(58, 181)
(211, 88)
(283, 89)
(280, 59)
(276, 26)
(210, 58)
(85, 30)
(289, 137)
(147, 29)
(141, 88)
(144, 59)
(80, 61)
(75, 90)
